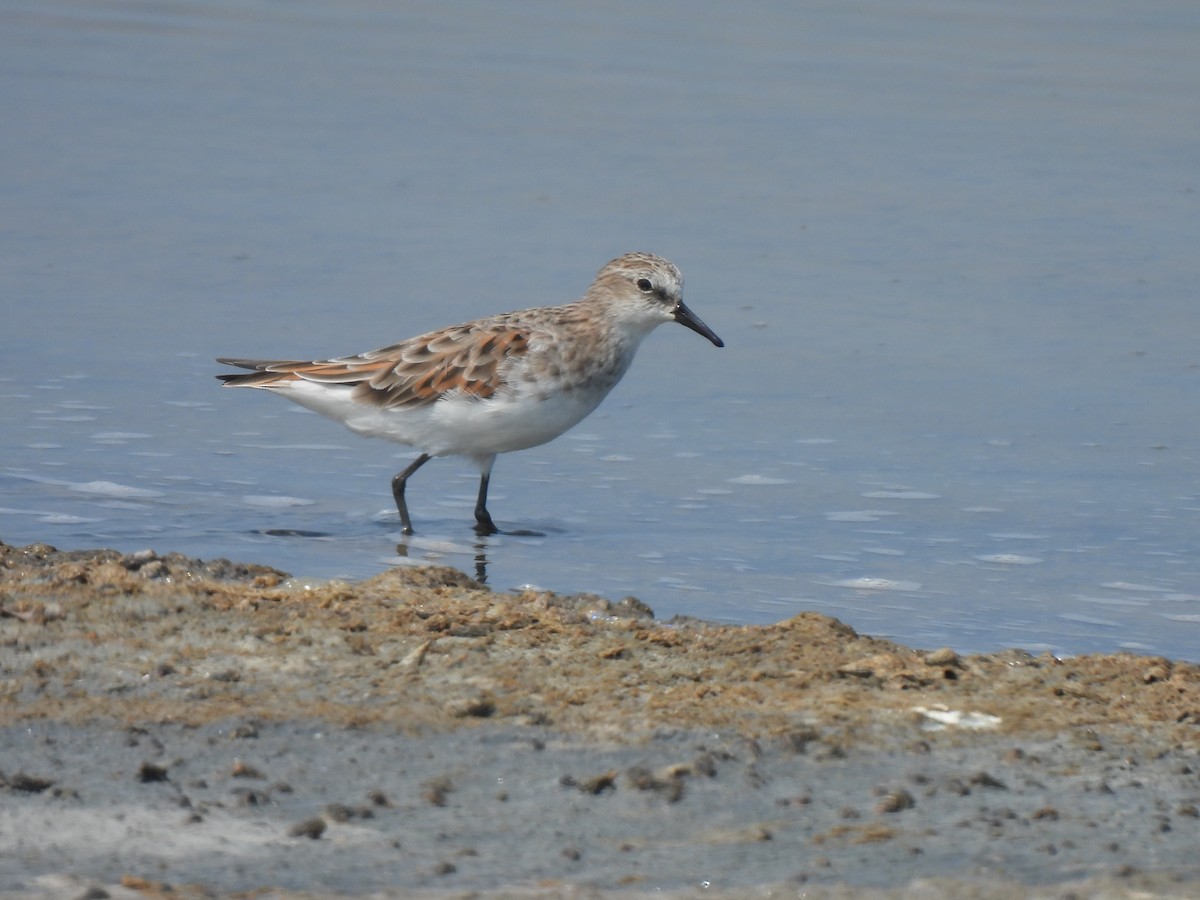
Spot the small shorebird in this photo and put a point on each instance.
(498, 384)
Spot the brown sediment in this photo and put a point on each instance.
(147, 638)
(391, 737)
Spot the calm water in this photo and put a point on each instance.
(952, 250)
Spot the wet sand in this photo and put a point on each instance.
(175, 727)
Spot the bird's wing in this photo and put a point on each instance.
(469, 359)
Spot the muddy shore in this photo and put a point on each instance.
(176, 727)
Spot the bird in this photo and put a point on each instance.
(494, 385)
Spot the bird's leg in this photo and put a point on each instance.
(483, 520)
(398, 491)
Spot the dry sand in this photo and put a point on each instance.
(180, 728)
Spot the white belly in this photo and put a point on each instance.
(454, 426)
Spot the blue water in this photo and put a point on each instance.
(951, 248)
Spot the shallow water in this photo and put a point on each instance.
(951, 251)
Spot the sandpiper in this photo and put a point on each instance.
(498, 384)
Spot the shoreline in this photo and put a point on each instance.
(527, 744)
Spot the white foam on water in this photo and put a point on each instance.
(113, 489)
(275, 502)
(866, 583)
(766, 480)
(900, 495)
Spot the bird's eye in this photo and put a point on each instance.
(645, 286)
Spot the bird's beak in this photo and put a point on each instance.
(685, 316)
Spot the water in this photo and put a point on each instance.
(951, 249)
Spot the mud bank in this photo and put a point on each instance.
(176, 727)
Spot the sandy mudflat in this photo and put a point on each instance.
(170, 727)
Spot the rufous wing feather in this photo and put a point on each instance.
(472, 360)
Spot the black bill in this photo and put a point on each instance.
(685, 316)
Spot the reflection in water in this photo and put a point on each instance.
(481, 559)
(479, 549)
(422, 549)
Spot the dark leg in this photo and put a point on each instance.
(398, 491)
(483, 521)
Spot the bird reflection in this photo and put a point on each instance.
(481, 560)
(480, 548)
